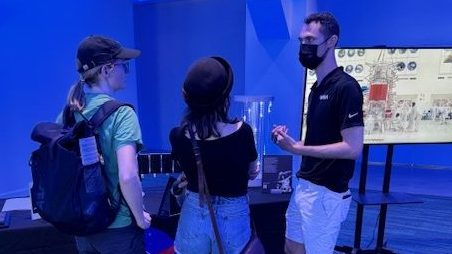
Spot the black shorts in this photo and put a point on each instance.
(126, 240)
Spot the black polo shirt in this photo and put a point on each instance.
(334, 105)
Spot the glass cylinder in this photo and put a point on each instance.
(255, 110)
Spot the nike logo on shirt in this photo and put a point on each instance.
(352, 115)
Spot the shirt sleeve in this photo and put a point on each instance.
(251, 145)
(127, 129)
(350, 106)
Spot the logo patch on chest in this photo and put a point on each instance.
(323, 97)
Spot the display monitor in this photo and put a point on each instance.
(407, 93)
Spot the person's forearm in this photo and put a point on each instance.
(340, 150)
(131, 190)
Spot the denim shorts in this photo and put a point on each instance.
(314, 216)
(195, 233)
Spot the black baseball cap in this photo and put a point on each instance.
(97, 50)
(208, 81)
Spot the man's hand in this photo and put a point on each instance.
(277, 129)
(282, 139)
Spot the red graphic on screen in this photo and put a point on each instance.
(378, 92)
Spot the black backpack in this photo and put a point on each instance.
(72, 197)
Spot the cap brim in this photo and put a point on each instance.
(127, 53)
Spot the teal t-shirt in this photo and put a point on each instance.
(121, 128)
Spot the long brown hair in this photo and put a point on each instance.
(205, 121)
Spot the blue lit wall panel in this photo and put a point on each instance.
(38, 45)
(172, 35)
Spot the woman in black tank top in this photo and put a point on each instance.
(228, 156)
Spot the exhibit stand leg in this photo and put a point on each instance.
(383, 199)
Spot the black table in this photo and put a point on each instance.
(268, 212)
(33, 236)
(39, 237)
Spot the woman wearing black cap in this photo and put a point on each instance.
(103, 67)
(228, 156)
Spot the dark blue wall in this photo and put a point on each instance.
(37, 50)
(272, 66)
(392, 22)
(172, 35)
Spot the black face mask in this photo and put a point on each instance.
(308, 55)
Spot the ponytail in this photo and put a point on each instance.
(76, 96)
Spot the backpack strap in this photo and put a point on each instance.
(105, 111)
(96, 120)
(68, 117)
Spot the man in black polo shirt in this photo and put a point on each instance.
(334, 139)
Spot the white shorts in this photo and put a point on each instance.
(314, 216)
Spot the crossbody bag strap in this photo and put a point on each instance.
(203, 190)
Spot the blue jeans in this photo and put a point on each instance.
(195, 233)
(129, 240)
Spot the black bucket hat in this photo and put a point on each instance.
(208, 82)
(97, 50)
